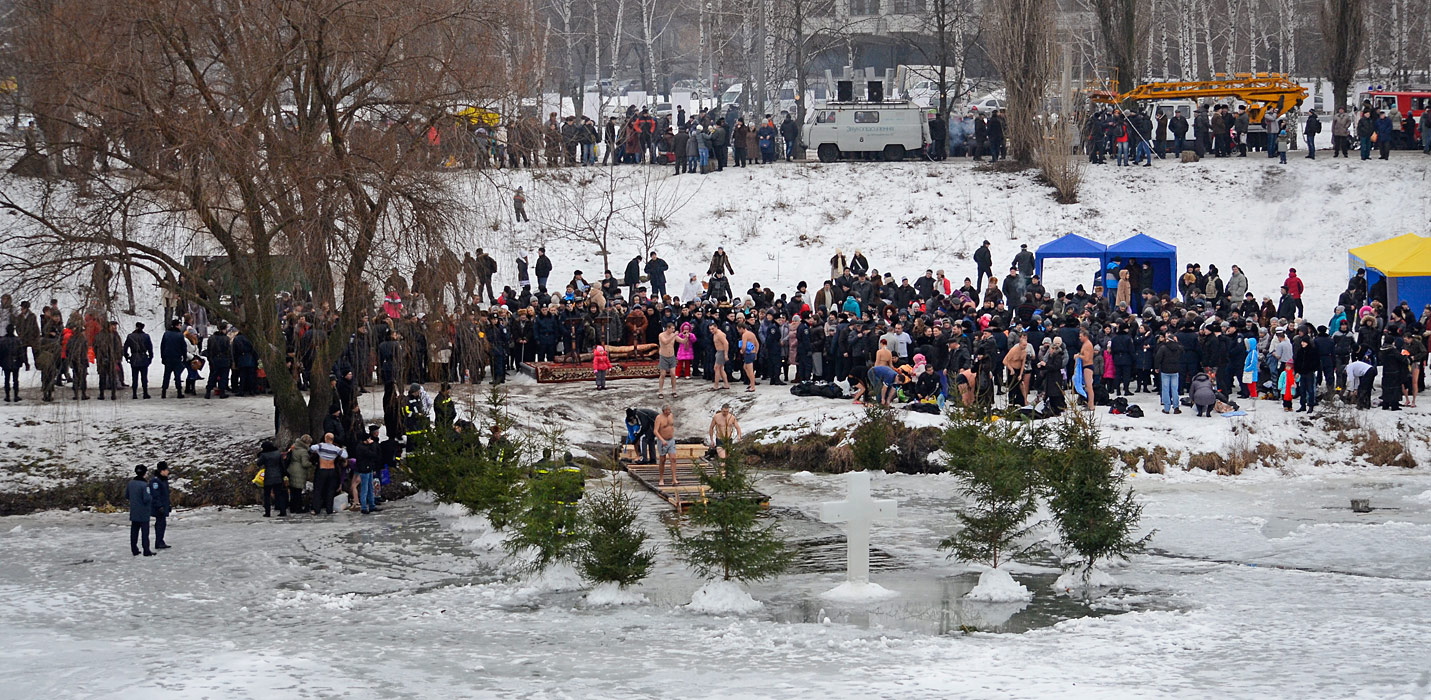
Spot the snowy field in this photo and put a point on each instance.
(1263, 585)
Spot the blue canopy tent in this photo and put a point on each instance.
(1069, 246)
(1161, 257)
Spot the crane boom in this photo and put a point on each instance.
(1260, 91)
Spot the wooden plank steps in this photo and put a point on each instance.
(688, 459)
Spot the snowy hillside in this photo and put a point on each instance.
(782, 224)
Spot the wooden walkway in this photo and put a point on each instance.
(690, 490)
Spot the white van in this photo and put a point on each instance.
(890, 130)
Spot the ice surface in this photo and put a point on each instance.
(1334, 604)
(997, 586)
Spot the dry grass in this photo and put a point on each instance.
(1378, 451)
(1154, 461)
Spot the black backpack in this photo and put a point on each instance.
(1134, 411)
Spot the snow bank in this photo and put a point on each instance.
(997, 586)
(484, 537)
(556, 578)
(853, 592)
(1073, 579)
(1423, 497)
(610, 593)
(722, 597)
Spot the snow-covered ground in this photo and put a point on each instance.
(1255, 590)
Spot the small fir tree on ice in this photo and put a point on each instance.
(612, 551)
(458, 468)
(724, 541)
(548, 519)
(994, 465)
(1095, 515)
(872, 440)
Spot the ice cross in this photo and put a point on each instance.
(858, 511)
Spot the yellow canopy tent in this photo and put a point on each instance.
(1403, 262)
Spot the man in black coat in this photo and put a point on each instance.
(172, 353)
(543, 268)
(221, 360)
(632, 278)
(139, 352)
(159, 502)
(656, 271)
(985, 260)
(1393, 375)
(12, 356)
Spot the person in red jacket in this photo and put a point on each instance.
(600, 362)
(1294, 288)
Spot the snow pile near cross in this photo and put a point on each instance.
(997, 586)
(720, 597)
(853, 592)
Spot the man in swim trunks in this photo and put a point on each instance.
(666, 445)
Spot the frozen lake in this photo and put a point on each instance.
(1271, 589)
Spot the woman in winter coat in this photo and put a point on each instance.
(299, 471)
(1123, 350)
(600, 364)
(1203, 394)
(1125, 290)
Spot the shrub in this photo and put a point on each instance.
(872, 439)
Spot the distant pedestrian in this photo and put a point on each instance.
(519, 205)
(140, 508)
(160, 504)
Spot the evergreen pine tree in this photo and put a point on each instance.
(872, 440)
(457, 468)
(1095, 516)
(994, 465)
(724, 538)
(547, 519)
(612, 545)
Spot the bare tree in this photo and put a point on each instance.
(279, 135)
(582, 206)
(653, 19)
(1344, 28)
(1118, 24)
(947, 31)
(651, 203)
(1021, 38)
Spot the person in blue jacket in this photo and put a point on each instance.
(140, 507)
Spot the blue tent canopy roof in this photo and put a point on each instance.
(1069, 246)
(1143, 246)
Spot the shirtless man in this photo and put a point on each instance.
(667, 360)
(1086, 353)
(665, 428)
(749, 349)
(722, 350)
(724, 428)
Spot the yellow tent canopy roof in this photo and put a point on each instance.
(1407, 255)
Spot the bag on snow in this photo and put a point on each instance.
(1134, 411)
